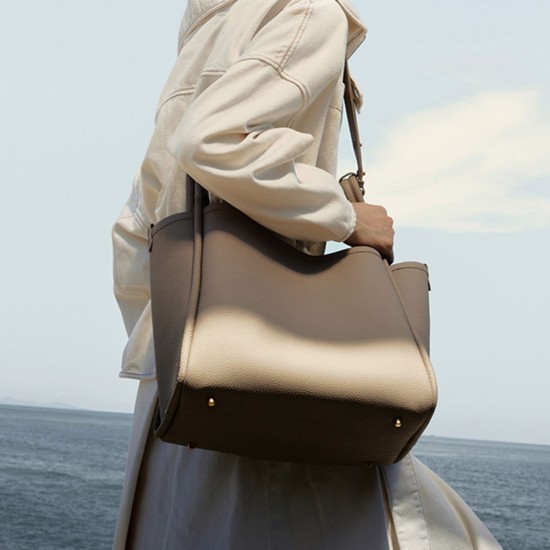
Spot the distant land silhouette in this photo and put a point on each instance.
(47, 405)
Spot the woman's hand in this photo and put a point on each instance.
(373, 228)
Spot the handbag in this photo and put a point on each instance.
(265, 351)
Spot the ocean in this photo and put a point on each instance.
(61, 473)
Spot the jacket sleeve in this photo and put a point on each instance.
(236, 138)
(131, 287)
(131, 261)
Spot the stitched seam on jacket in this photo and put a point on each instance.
(284, 75)
(201, 19)
(299, 34)
(212, 72)
(278, 66)
(174, 94)
(189, 90)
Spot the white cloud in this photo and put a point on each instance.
(480, 164)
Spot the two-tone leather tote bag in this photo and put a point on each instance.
(265, 351)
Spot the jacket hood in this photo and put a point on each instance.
(198, 11)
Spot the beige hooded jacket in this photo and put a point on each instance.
(252, 110)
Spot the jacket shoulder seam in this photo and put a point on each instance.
(282, 74)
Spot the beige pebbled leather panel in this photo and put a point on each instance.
(291, 357)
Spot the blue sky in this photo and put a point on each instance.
(456, 128)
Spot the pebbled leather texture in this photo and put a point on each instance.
(304, 358)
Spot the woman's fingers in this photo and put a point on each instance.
(373, 228)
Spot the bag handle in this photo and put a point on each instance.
(352, 101)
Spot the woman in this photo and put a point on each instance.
(252, 110)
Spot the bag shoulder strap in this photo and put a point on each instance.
(352, 102)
